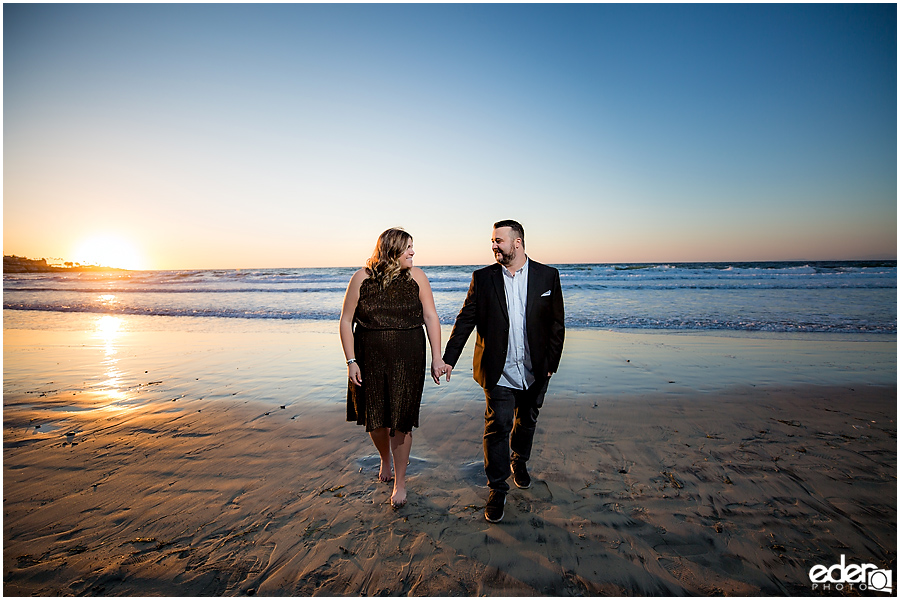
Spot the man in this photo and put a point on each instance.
(516, 309)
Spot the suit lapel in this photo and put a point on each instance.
(534, 288)
(500, 289)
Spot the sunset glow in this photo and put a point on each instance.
(225, 136)
(109, 251)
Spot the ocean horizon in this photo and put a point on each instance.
(765, 296)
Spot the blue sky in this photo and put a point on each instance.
(234, 136)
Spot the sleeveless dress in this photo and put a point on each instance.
(389, 342)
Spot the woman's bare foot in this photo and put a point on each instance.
(385, 473)
(382, 440)
(398, 498)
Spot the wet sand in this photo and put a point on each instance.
(187, 461)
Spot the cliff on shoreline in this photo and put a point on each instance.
(20, 264)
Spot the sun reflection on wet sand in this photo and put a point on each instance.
(109, 328)
(109, 331)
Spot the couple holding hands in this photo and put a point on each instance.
(516, 309)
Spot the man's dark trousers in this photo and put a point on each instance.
(510, 418)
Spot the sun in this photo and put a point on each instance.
(109, 250)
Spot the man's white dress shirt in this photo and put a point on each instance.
(517, 370)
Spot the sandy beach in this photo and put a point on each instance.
(174, 459)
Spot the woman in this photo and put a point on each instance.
(381, 330)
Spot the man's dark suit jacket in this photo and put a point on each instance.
(485, 311)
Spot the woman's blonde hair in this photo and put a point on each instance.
(384, 265)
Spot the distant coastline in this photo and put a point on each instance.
(20, 264)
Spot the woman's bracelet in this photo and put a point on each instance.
(351, 361)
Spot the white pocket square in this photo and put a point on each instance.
(547, 293)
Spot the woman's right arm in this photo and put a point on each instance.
(351, 298)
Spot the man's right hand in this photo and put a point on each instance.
(447, 370)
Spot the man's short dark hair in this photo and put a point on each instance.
(517, 230)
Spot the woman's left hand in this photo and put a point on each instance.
(438, 368)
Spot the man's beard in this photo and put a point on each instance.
(504, 258)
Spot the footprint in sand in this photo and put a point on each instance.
(473, 473)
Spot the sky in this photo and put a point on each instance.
(176, 136)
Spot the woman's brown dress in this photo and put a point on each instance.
(389, 342)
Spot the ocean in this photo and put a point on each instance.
(846, 297)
